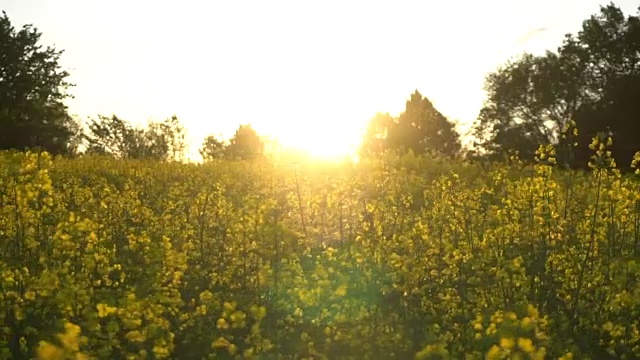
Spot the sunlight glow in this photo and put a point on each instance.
(324, 140)
(311, 74)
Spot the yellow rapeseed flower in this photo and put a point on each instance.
(341, 290)
(47, 351)
(526, 345)
(220, 342)
(493, 353)
(222, 324)
(507, 343)
(135, 336)
(105, 310)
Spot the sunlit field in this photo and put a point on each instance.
(393, 259)
(296, 181)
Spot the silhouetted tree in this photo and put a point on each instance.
(618, 113)
(76, 137)
(245, 144)
(112, 136)
(32, 92)
(166, 140)
(116, 137)
(591, 79)
(375, 139)
(421, 128)
(212, 148)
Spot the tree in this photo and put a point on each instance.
(167, 139)
(116, 137)
(618, 113)
(375, 139)
(76, 137)
(32, 92)
(113, 136)
(212, 148)
(245, 144)
(421, 128)
(591, 79)
(514, 116)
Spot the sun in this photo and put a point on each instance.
(331, 134)
(323, 143)
(330, 142)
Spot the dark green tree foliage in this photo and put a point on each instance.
(245, 144)
(591, 79)
(517, 114)
(619, 114)
(212, 148)
(421, 128)
(116, 137)
(32, 92)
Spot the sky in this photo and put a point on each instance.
(311, 73)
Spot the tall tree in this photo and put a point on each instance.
(421, 128)
(245, 144)
(32, 92)
(212, 148)
(590, 79)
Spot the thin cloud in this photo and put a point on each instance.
(529, 35)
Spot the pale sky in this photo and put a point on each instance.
(310, 72)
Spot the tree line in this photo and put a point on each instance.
(589, 85)
(33, 113)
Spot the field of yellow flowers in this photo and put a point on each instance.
(402, 259)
